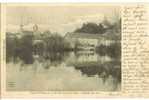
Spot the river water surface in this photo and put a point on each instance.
(81, 71)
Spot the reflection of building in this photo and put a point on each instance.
(86, 56)
(82, 57)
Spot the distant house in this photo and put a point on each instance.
(86, 40)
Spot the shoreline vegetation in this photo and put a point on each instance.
(48, 43)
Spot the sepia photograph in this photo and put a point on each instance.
(68, 47)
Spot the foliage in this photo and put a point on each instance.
(100, 28)
(92, 28)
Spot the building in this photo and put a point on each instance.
(87, 41)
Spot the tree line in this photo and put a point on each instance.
(100, 28)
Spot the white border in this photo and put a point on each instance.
(73, 1)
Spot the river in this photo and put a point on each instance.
(81, 71)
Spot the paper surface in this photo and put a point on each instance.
(74, 50)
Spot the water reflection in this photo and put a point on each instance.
(83, 70)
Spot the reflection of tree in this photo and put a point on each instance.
(114, 50)
(102, 70)
(103, 75)
(38, 48)
(57, 58)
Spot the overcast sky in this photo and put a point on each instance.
(59, 19)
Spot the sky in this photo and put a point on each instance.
(57, 18)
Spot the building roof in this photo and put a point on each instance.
(84, 35)
(107, 36)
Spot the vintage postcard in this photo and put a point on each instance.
(50, 50)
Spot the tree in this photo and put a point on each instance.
(91, 28)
